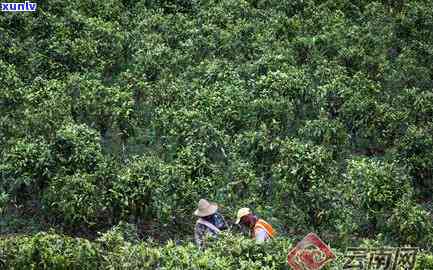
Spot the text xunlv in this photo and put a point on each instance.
(15, 7)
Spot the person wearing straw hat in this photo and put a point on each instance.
(259, 229)
(209, 222)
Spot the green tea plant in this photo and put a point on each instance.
(411, 224)
(75, 199)
(375, 188)
(26, 169)
(306, 181)
(415, 152)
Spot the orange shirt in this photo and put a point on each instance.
(263, 225)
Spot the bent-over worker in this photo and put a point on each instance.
(210, 222)
(259, 229)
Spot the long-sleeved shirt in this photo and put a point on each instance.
(201, 231)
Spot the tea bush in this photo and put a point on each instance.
(76, 199)
(26, 169)
(11, 101)
(379, 186)
(76, 148)
(112, 251)
(134, 193)
(415, 151)
(49, 251)
(327, 133)
(43, 110)
(246, 254)
(411, 224)
(425, 261)
(306, 179)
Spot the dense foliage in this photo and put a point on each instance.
(317, 114)
(117, 250)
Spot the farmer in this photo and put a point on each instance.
(259, 229)
(210, 222)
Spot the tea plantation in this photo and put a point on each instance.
(116, 117)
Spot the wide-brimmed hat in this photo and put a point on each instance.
(205, 208)
(241, 213)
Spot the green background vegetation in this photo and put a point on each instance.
(316, 114)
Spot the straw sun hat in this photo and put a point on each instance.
(205, 208)
(241, 213)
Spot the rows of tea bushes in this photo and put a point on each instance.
(317, 114)
(79, 188)
(117, 250)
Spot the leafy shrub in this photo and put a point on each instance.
(260, 147)
(76, 148)
(49, 251)
(10, 94)
(25, 169)
(326, 132)
(178, 194)
(113, 251)
(149, 189)
(187, 129)
(247, 254)
(11, 101)
(44, 103)
(98, 105)
(118, 234)
(242, 183)
(133, 257)
(4, 201)
(305, 192)
(374, 188)
(292, 85)
(424, 262)
(416, 150)
(411, 224)
(187, 256)
(76, 199)
(134, 192)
